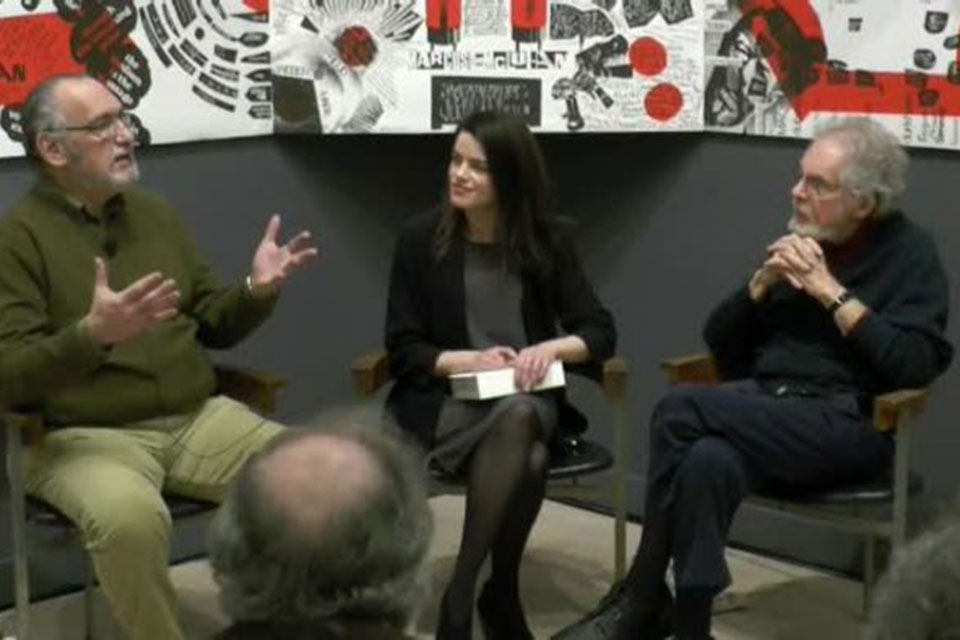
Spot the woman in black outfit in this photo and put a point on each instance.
(480, 285)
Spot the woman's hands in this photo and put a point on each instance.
(494, 358)
(451, 362)
(531, 364)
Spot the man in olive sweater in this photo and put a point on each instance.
(105, 313)
(850, 303)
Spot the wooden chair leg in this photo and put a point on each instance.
(901, 487)
(869, 573)
(621, 445)
(88, 584)
(21, 575)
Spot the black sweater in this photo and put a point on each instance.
(892, 266)
(426, 315)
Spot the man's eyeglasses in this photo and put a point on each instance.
(818, 187)
(105, 127)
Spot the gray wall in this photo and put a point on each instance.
(668, 224)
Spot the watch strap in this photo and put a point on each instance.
(845, 296)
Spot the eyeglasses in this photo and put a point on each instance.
(818, 187)
(105, 127)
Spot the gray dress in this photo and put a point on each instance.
(492, 300)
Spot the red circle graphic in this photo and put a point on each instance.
(356, 46)
(663, 102)
(647, 56)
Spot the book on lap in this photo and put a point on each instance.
(496, 383)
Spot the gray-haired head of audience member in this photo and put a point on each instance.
(877, 163)
(325, 525)
(919, 597)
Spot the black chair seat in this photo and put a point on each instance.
(44, 514)
(570, 458)
(867, 492)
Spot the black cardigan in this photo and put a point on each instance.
(426, 315)
(892, 266)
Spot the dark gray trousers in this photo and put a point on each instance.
(711, 446)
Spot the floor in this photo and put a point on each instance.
(567, 569)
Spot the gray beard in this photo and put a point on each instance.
(835, 235)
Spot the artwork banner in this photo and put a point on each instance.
(782, 67)
(416, 66)
(201, 69)
(184, 69)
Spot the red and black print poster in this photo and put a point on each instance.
(779, 67)
(185, 69)
(421, 65)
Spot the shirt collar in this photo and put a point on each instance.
(52, 192)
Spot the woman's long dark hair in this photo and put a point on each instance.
(519, 177)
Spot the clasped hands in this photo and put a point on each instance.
(117, 316)
(530, 364)
(800, 262)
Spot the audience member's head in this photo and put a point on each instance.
(326, 526)
(919, 597)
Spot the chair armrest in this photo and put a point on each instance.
(890, 410)
(369, 372)
(701, 368)
(255, 389)
(30, 426)
(615, 372)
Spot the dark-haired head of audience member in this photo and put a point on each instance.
(324, 534)
(919, 597)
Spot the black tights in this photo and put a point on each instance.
(504, 492)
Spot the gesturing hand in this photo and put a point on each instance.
(116, 316)
(273, 263)
(532, 363)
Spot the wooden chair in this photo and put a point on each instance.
(569, 463)
(255, 389)
(875, 508)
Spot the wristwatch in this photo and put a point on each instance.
(845, 296)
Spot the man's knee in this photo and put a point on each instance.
(127, 519)
(715, 461)
(674, 414)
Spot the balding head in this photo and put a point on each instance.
(41, 113)
(45, 110)
(315, 479)
(325, 524)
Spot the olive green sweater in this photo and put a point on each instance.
(49, 363)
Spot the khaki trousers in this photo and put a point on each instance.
(108, 481)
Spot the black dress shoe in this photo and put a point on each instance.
(450, 629)
(621, 616)
(501, 620)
